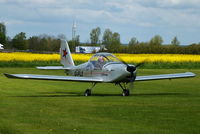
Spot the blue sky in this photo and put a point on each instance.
(131, 18)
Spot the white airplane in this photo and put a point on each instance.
(101, 68)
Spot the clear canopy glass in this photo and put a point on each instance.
(98, 60)
(104, 57)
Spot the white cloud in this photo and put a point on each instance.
(146, 12)
(180, 2)
(46, 2)
(171, 3)
(120, 14)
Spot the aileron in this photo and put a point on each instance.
(54, 77)
(165, 76)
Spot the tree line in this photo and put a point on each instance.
(109, 39)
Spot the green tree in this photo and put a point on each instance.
(156, 40)
(115, 42)
(74, 43)
(20, 42)
(55, 45)
(111, 40)
(107, 37)
(44, 43)
(175, 41)
(94, 35)
(116, 39)
(133, 45)
(8, 44)
(133, 42)
(33, 43)
(2, 33)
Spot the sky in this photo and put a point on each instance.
(142, 19)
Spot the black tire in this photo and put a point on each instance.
(87, 92)
(125, 92)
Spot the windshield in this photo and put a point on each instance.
(100, 59)
(106, 57)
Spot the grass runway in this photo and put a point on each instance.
(57, 107)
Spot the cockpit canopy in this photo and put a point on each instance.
(100, 59)
(104, 57)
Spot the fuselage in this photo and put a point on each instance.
(110, 72)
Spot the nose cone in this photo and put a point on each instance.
(131, 68)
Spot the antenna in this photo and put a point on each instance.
(74, 30)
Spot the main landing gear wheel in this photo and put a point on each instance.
(125, 92)
(87, 92)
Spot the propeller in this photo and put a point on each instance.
(132, 69)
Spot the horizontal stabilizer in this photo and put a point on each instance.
(165, 76)
(54, 77)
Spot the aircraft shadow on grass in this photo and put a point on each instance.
(78, 94)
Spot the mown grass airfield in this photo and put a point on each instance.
(59, 107)
(164, 106)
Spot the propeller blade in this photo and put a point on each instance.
(132, 69)
(140, 64)
(131, 86)
(124, 63)
(131, 81)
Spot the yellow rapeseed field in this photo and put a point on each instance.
(137, 58)
(130, 58)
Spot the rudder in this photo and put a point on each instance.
(65, 55)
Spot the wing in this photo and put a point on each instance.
(165, 76)
(54, 68)
(54, 77)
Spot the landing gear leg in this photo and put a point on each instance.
(88, 91)
(125, 91)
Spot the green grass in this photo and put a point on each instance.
(57, 107)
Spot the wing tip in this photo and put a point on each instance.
(191, 74)
(9, 75)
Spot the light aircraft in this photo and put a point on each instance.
(101, 68)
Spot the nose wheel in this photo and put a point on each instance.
(125, 92)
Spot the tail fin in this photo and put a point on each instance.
(65, 55)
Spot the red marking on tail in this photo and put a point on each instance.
(64, 53)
